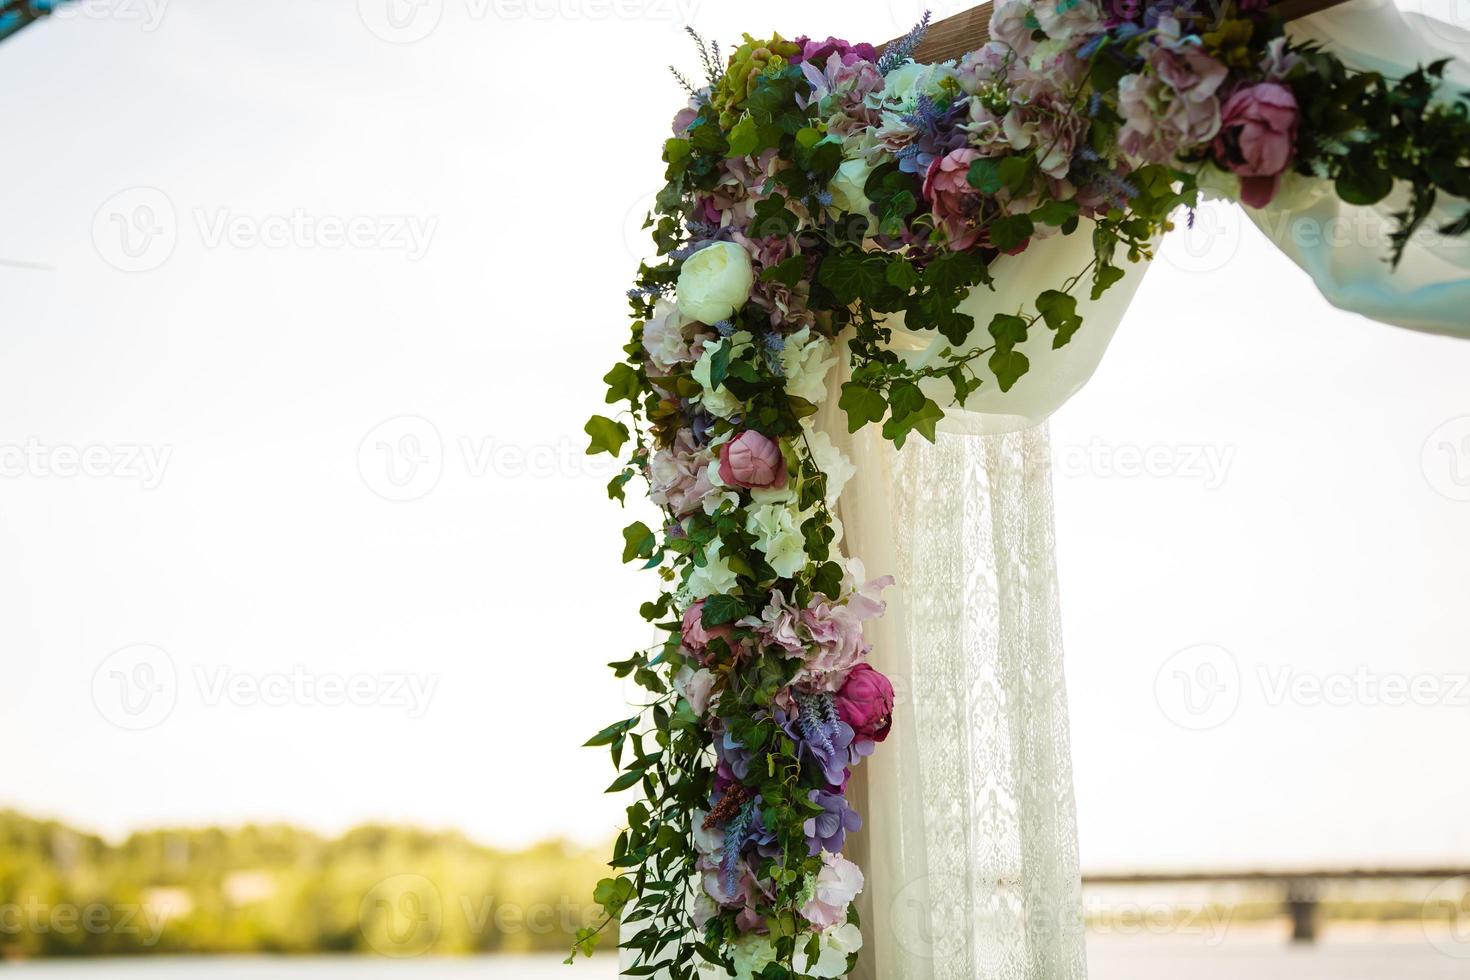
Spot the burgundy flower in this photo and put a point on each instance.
(866, 703)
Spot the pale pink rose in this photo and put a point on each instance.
(955, 203)
(838, 883)
(679, 475)
(696, 686)
(752, 461)
(778, 624)
(663, 338)
(1258, 137)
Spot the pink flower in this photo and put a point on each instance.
(679, 475)
(778, 625)
(697, 636)
(836, 630)
(752, 461)
(1158, 124)
(1257, 138)
(837, 884)
(846, 52)
(697, 686)
(866, 703)
(955, 203)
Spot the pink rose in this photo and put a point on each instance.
(866, 702)
(752, 460)
(697, 636)
(955, 203)
(1257, 138)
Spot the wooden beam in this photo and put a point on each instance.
(953, 36)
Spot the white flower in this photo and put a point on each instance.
(715, 578)
(837, 944)
(831, 461)
(777, 528)
(718, 401)
(752, 954)
(833, 890)
(663, 336)
(805, 364)
(908, 81)
(715, 282)
(847, 186)
(707, 841)
(695, 686)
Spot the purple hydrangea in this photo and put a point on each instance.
(828, 830)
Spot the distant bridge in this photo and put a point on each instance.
(1302, 888)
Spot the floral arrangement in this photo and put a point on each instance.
(815, 190)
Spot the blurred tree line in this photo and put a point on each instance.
(279, 889)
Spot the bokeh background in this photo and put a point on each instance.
(308, 584)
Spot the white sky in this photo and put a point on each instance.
(520, 141)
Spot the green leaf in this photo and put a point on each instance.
(719, 365)
(744, 137)
(788, 272)
(622, 384)
(1059, 310)
(616, 484)
(638, 541)
(607, 436)
(720, 610)
(984, 176)
(1010, 231)
(828, 580)
(1055, 213)
(625, 781)
(1008, 366)
(851, 277)
(1008, 330)
(862, 405)
(1104, 277)
(613, 894)
(1364, 185)
(901, 273)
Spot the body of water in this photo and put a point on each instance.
(1108, 959)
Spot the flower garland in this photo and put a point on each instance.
(814, 189)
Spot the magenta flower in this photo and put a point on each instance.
(866, 703)
(1257, 138)
(845, 51)
(752, 461)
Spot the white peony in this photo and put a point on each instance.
(777, 528)
(837, 944)
(831, 461)
(805, 363)
(718, 401)
(908, 81)
(847, 186)
(715, 578)
(715, 282)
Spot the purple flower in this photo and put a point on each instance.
(846, 52)
(828, 742)
(828, 831)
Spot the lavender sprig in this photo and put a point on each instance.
(902, 50)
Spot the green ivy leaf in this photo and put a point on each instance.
(1008, 331)
(744, 137)
(1010, 231)
(788, 272)
(852, 276)
(1008, 366)
(606, 435)
(622, 384)
(720, 610)
(984, 176)
(862, 405)
(1059, 310)
(1055, 213)
(638, 541)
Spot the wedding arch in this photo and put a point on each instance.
(877, 273)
